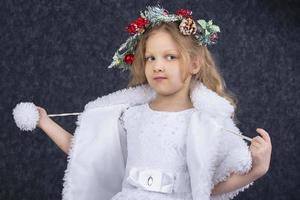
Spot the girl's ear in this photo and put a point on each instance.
(195, 66)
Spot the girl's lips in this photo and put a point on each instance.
(159, 78)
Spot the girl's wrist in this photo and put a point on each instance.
(45, 123)
(257, 172)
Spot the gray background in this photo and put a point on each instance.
(55, 54)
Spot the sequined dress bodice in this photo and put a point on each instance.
(156, 140)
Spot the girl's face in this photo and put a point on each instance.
(163, 68)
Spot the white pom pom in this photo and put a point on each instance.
(26, 116)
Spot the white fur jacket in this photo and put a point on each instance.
(96, 163)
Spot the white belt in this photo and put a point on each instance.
(159, 181)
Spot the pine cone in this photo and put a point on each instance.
(187, 26)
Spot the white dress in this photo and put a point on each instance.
(156, 167)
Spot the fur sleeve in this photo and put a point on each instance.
(234, 157)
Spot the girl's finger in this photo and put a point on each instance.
(260, 140)
(255, 145)
(264, 134)
(255, 142)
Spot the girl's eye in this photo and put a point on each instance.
(149, 58)
(171, 57)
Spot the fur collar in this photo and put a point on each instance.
(203, 99)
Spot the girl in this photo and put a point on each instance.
(166, 136)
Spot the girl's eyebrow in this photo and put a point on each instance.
(165, 51)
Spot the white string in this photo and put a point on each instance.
(238, 134)
(63, 114)
(235, 133)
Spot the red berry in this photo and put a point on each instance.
(184, 13)
(128, 59)
(141, 22)
(131, 28)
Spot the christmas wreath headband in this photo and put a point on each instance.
(204, 32)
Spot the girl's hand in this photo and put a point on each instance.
(43, 117)
(261, 149)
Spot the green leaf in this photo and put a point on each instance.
(202, 23)
(206, 32)
(210, 22)
(215, 28)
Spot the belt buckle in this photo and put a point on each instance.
(151, 180)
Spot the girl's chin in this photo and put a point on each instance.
(163, 91)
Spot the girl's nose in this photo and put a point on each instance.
(158, 65)
(158, 70)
